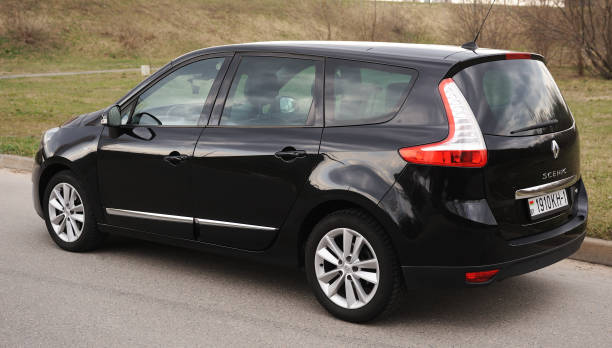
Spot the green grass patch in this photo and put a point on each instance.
(28, 106)
(590, 100)
(21, 146)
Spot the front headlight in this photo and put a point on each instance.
(49, 134)
(46, 139)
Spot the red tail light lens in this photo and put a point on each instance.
(480, 277)
(464, 145)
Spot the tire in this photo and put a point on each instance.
(79, 231)
(375, 285)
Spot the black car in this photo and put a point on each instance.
(375, 166)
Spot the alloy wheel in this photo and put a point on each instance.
(66, 212)
(346, 268)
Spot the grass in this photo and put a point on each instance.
(28, 106)
(21, 146)
(47, 64)
(67, 35)
(590, 100)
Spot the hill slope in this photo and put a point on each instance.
(60, 34)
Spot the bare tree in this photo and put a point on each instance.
(374, 23)
(499, 30)
(588, 24)
(329, 12)
(584, 26)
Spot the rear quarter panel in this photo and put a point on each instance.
(359, 164)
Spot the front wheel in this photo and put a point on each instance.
(68, 214)
(351, 266)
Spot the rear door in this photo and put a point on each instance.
(531, 140)
(260, 146)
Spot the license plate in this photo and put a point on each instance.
(547, 203)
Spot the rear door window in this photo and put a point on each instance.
(271, 91)
(363, 93)
(510, 96)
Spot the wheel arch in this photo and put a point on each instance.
(324, 208)
(52, 167)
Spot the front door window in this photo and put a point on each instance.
(177, 99)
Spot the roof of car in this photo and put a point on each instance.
(391, 50)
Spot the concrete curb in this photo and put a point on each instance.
(592, 250)
(16, 162)
(595, 251)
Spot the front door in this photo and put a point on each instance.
(144, 165)
(260, 146)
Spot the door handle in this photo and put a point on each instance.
(289, 153)
(175, 158)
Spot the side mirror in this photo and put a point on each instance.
(287, 105)
(113, 117)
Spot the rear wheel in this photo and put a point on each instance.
(351, 266)
(68, 214)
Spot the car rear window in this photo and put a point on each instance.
(509, 96)
(363, 93)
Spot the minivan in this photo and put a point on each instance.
(375, 167)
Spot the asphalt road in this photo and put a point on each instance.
(133, 293)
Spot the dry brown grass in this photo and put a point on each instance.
(118, 29)
(23, 23)
(159, 30)
(165, 28)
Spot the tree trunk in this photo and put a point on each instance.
(374, 24)
(579, 62)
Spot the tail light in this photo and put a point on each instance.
(480, 277)
(518, 56)
(464, 145)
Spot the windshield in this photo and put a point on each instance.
(514, 98)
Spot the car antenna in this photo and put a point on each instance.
(471, 45)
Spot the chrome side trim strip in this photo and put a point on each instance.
(546, 188)
(150, 216)
(233, 224)
(176, 218)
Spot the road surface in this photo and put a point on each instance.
(133, 293)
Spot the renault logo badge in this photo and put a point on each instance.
(555, 149)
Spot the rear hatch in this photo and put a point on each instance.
(532, 143)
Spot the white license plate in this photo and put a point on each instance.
(546, 203)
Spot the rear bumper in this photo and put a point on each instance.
(513, 257)
(424, 276)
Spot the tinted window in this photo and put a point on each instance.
(271, 91)
(178, 98)
(509, 95)
(361, 93)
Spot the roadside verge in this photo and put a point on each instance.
(592, 250)
(16, 162)
(595, 251)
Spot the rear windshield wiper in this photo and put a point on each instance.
(535, 126)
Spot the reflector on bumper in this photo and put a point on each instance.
(480, 277)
